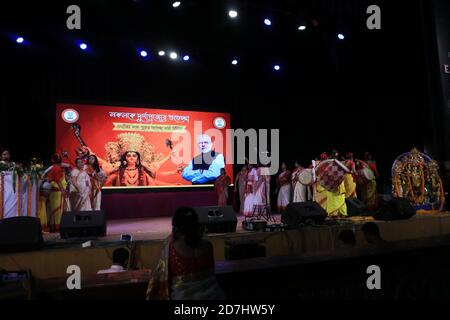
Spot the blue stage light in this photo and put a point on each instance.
(20, 40)
(83, 46)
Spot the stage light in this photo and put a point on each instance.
(176, 4)
(186, 58)
(161, 53)
(276, 67)
(234, 62)
(143, 53)
(341, 36)
(83, 46)
(233, 14)
(267, 22)
(20, 40)
(301, 28)
(173, 55)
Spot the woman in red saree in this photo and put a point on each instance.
(58, 197)
(185, 270)
(221, 187)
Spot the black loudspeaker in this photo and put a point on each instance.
(396, 209)
(20, 234)
(383, 199)
(217, 219)
(300, 213)
(355, 207)
(79, 224)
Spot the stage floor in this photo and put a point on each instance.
(142, 229)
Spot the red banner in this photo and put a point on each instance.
(143, 147)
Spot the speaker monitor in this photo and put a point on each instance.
(79, 224)
(355, 206)
(217, 219)
(298, 213)
(396, 209)
(20, 234)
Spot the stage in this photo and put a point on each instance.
(141, 229)
(149, 234)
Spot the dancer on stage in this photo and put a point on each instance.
(221, 187)
(58, 201)
(5, 158)
(369, 188)
(302, 193)
(264, 173)
(283, 187)
(239, 186)
(250, 190)
(336, 206)
(319, 192)
(98, 179)
(350, 177)
(185, 270)
(257, 190)
(80, 187)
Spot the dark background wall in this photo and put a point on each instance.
(438, 55)
(368, 92)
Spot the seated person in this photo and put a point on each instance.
(120, 261)
(186, 267)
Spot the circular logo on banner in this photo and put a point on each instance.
(70, 115)
(219, 123)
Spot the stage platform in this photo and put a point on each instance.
(149, 234)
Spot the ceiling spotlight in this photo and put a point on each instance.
(232, 13)
(234, 62)
(173, 55)
(301, 28)
(20, 40)
(267, 22)
(276, 67)
(176, 4)
(83, 46)
(186, 58)
(161, 53)
(143, 53)
(341, 36)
